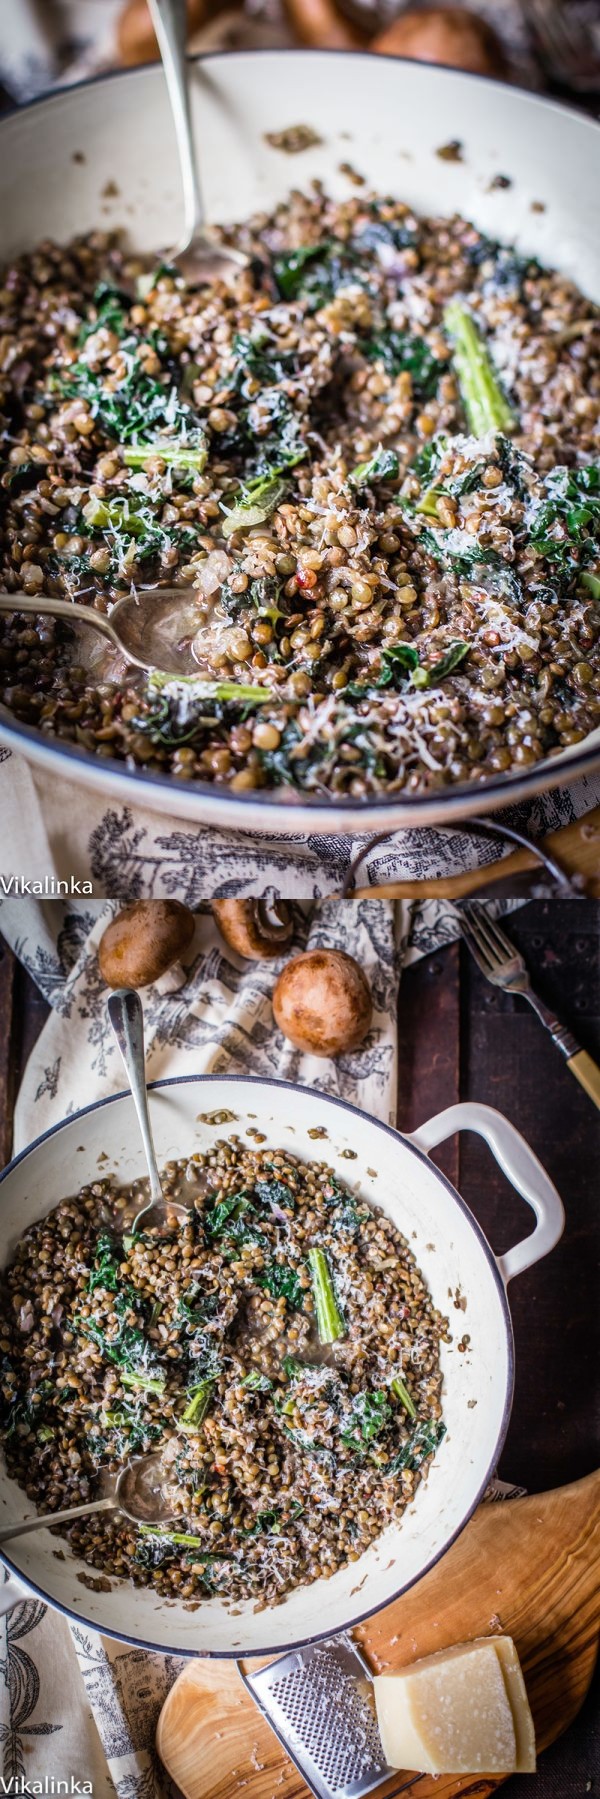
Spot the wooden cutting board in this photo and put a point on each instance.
(526, 1567)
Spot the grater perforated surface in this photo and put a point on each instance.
(316, 1700)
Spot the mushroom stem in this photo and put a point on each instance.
(257, 929)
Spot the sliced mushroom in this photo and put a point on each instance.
(322, 1002)
(144, 941)
(257, 929)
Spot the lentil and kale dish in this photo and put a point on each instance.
(375, 460)
(279, 1351)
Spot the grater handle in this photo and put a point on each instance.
(521, 1168)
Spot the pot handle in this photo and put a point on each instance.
(12, 1591)
(518, 1163)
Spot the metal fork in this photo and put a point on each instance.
(505, 967)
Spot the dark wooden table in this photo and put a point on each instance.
(461, 1038)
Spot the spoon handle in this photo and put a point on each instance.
(71, 1511)
(169, 18)
(127, 1019)
(69, 609)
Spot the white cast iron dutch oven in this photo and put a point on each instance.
(60, 158)
(392, 1171)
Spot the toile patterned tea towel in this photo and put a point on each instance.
(75, 1705)
(48, 43)
(54, 831)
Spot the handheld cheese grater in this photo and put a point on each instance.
(318, 1703)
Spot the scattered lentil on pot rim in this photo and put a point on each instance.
(376, 463)
(279, 1351)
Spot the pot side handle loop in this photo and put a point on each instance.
(521, 1168)
(12, 1591)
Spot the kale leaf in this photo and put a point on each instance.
(111, 308)
(282, 1282)
(313, 272)
(109, 1255)
(566, 526)
(383, 466)
(401, 352)
(426, 1437)
(275, 1194)
(371, 1414)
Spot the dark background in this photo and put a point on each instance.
(461, 1038)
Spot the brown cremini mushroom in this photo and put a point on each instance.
(144, 941)
(318, 24)
(254, 928)
(451, 36)
(136, 37)
(322, 1002)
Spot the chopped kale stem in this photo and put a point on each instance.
(330, 1324)
(256, 1382)
(178, 1537)
(485, 404)
(151, 1383)
(400, 1389)
(258, 500)
(176, 453)
(197, 1406)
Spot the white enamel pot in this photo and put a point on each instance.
(393, 1172)
(104, 154)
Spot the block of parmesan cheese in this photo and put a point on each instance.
(461, 1711)
(519, 1704)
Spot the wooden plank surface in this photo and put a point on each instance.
(429, 1047)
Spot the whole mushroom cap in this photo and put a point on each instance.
(143, 941)
(322, 1002)
(451, 36)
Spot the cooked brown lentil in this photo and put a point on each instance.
(338, 593)
(296, 1453)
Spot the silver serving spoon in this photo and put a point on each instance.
(139, 1498)
(148, 627)
(197, 256)
(127, 1019)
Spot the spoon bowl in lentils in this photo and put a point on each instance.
(375, 465)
